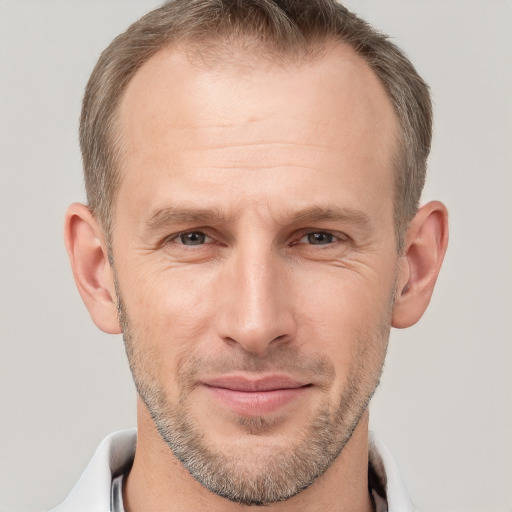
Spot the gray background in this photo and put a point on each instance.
(444, 407)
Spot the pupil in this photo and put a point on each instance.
(319, 238)
(192, 238)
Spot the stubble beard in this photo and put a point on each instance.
(252, 477)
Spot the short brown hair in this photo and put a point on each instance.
(284, 28)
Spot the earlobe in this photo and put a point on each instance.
(91, 269)
(425, 246)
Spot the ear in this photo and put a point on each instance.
(93, 274)
(425, 245)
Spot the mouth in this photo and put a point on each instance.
(256, 396)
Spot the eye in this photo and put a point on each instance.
(318, 238)
(192, 238)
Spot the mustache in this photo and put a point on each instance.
(313, 367)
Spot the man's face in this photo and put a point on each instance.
(255, 260)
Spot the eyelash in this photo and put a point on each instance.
(334, 236)
(184, 233)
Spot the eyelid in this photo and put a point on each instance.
(339, 236)
(175, 237)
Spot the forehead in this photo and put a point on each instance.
(196, 91)
(182, 120)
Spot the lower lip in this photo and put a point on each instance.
(256, 403)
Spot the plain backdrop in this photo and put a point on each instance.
(444, 406)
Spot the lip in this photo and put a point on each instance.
(256, 396)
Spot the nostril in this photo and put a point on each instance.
(230, 341)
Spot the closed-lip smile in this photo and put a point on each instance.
(255, 396)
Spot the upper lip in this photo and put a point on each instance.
(244, 383)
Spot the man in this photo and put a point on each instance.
(253, 171)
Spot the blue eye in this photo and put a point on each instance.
(318, 238)
(192, 238)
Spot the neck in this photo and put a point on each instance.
(158, 481)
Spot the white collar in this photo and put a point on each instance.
(385, 469)
(92, 491)
(115, 454)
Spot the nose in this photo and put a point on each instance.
(256, 302)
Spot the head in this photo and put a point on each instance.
(253, 171)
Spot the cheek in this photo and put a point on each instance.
(348, 319)
(168, 311)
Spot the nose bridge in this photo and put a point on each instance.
(257, 311)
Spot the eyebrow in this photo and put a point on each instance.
(332, 213)
(183, 215)
(179, 215)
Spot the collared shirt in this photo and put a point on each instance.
(99, 489)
